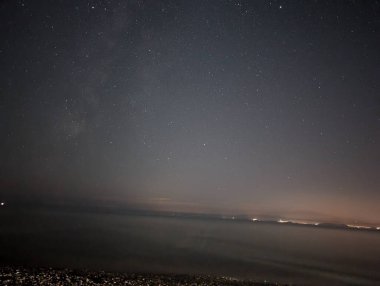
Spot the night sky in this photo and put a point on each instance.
(248, 107)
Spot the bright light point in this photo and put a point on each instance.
(254, 219)
(2, 203)
(282, 221)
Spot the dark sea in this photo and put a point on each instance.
(158, 244)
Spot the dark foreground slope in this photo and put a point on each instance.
(49, 276)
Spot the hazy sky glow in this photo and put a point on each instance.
(255, 107)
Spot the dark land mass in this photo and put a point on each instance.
(50, 276)
(25, 207)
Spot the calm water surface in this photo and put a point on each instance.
(130, 243)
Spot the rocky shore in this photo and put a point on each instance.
(49, 276)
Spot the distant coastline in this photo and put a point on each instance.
(122, 210)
